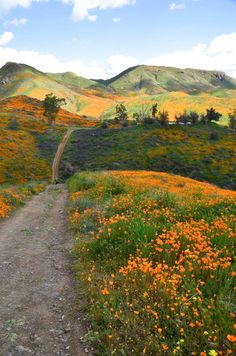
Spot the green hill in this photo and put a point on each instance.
(203, 153)
(71, 79)
(161, 79)
(174, 89)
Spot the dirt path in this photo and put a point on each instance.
(59, 153)
(37, 297)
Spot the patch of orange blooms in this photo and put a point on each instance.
(170, 292)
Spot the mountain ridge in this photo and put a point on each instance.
(136, 86)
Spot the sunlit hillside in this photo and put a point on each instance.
(173, 89)
(28, 144)
(155, 256)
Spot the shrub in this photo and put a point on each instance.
(13, 124)
(214, 135)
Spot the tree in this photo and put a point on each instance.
(212, 115)
(163, 118)
(194, 117)
(183, 118)
(154, 110)
(232, 120)
(52, 105)
(136, 117)
(121, 115)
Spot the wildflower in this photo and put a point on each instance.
(105, 291)
(213, 353)
(231, 338)
(206, 333)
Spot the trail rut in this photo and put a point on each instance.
(58, 155)
(37, 296)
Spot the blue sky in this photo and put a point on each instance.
(99, 38)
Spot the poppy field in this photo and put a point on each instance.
(13, 196)
(154, 254)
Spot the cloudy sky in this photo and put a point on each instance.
(100, 38)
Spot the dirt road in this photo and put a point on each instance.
(37, 295)
(59, 153)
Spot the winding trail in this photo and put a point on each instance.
(38, 300)
(59, 153)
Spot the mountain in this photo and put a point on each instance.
(174, 89)
(20, 79)
(167, 79)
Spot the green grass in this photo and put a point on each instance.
(188, 151)
(151, 260)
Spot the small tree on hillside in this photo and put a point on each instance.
(232, 120)
(212, 115)
(121, 115)
(154, 110)
(183, 118)
(163, 118)
(193, 117)
(52, 105)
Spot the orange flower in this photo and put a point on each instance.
(231, 338)
(105, 291)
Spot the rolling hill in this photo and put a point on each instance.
(174, 89)
(156, 80)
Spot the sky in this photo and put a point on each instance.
(101, 38)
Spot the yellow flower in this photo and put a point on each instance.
(206, 333)
(213, 353)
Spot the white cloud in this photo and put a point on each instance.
(116, 20)
(82, 8)
(5, 38)
(16, 22)
(220, 55)
(7, 5)
(118, 63)
(49, 63)
(173, 6)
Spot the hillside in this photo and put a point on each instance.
(27, 151)
(174, 89)
(20, 79)
(23, 106)
(188, 151)
(151, 251)
(156, 80)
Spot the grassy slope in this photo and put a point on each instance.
(161, 79)
(154, 254)
(186, 151)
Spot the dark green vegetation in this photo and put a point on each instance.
(206, 153)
